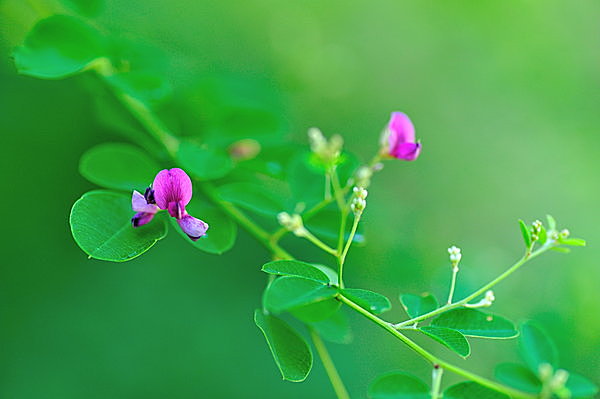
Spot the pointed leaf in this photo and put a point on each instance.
(526, 233)
(398, 385)
(336, 328)
(471, 390)
(450, 338)
(286, 293)
(475, 323)
(551, 223)
(295, 268)
(101, 226)
(536, 346)
(417, 305)
(290, 351)
(543, 237)
(573, 242)
(203, 163)
(519, 377)
(369, 300)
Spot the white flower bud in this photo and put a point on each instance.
(564, 233)
(363, 176)
(360, 192)
(318, 143)
(559, 379)
(292, 223)
(358, 205)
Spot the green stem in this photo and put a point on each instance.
(452, 284)
(310, 237)
(515, 394)
(436, 381)
(348, 244)
(334, 377)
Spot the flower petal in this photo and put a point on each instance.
(141, 218)
(139, 204)
(194, 228)
(172, 185)
(407, 151)
(401, 130)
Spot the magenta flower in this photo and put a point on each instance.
(171, 191)
(401, 142)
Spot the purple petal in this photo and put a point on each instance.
(407, 151)
(139, 204)
(401, 130)
(172, 185)
(176, 209)
(194, 228)
(141, 218)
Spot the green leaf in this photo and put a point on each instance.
(295, 268)
(519, 377)
(286, 293)
(59, 46)
(398, 385)
(252, 197)
(88, 8)
(543, 236)
(101, 226)
(573, 242)
(561, 250)
(307, 183)
(335, 328)
(526, 233)
(204, 163)
(147, 87)
(475, 323)
(536, 346)
(118, 166)
(471, 390)
(290, 351)
(368, 300)
(317, 311)
(450, 338)
(334, 279)
(326, 225)
(581, 387)
(551, 223)
(222, 231)
(417, 305)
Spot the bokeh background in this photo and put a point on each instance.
(504, 96)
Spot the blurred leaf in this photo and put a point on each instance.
(286, 293)
(551, 223)
(561, 250)
(398, 385)
(519, 377)
(222, 231)
(326, 225)
(574, 242)
(471, 390)
(536, 346)
(101, 226)
(306, 182)
(368, 300)
(290, 351)
(317, 311)
(133, 56)
(146, 87)
(253, 197)
(295, 268)
(88, 8)
(417, 305)
(581, 387)
(475, 323)
(118, 166)
(335, 328)
(543, 237)
(526, 233)
(450, 338)
(59, 46)
(204, 163)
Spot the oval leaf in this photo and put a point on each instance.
(450, 338)
(59, 46)
(471, 390)
(525, 233)
(398, 385)
(295, 268)
(149, 88)
(317, 311)
(474, 323)
(368, 300)
(204, 163)
(290, 351)
(335, 328)
(536, 346)
(118, 166)
(519, 377)
(417, 305)
(101, 226)
(286, 293)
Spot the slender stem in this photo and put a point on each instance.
(480, 291)
(349, 242)
(310, 237)
(337, 189)
(436, 381)
(515, 394)
(452, 284)
(334, 377)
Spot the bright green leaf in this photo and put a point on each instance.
(59, 46)
(101, 226)
(561, 250)
(417, 305)
(536, 346)
(398, 385)
(543, 236)
(148, 88)
(222, 231)
(551, 223)
(581, 387)
(335, 328)
(519, 377)
(118, 166)
(295, 268)
(526, 233)
(290, 351)
(371, 301)
(204, 163)
(475, 323)
(450, 338)
(88, 8)
(471, 390)
(573, 242)
(252, 197)
(286, 293)
(317, 311)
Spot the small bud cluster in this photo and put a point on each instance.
(328, 150)
(455, 256)
(535, 230)
(292, 223)
(554, 381)
(564, 233)
(485, 302)
(359, 201)
(364, 174)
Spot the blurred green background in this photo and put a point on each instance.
(504, 96)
